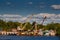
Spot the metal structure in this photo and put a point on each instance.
(27, 20)
(21, 27)
(43, 20)
(34, 25)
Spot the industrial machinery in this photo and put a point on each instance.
(23, 27)
(34, 25)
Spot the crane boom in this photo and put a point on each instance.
(43, 20)
(26, 22)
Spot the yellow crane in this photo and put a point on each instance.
(21, 27)
(27, 20)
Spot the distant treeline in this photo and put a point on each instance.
(9, 25)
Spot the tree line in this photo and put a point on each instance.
(9, 25)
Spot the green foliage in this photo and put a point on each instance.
(28, 26)
(40, 26)
(54, 26)
(9, 25)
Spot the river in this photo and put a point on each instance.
(29, 37)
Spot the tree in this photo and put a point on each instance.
(3, 25)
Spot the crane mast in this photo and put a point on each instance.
(43, 20)
(23, 27)
(27, 21)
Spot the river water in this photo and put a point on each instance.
(29, 38)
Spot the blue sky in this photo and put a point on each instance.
(26, 7)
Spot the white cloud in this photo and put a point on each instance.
(11, 15)
(45, 14)
(36, 17)
(8, 3)
(29, 2)
(50, 17)
(42, 5)
(55, 6)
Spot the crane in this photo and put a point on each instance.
(35, 25)
(23, 27)
(43, 20)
